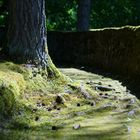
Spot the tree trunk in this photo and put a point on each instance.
(83, 15)
(27, 31)
(27, 42)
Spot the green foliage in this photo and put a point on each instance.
(3, 12)
(113, 13)
(62, 14)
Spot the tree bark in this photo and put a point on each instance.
(27, 40)
(83, 15)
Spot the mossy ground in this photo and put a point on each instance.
(30, 100)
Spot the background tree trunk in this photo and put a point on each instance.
(83, 15)
(27, 31)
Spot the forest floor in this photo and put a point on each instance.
(89, 106)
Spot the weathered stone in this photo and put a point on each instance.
(84, 92)
(103, 88)
(77, 126)
(131, 113)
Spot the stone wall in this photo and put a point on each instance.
(111, 49)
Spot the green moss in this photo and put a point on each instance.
(30, 101)
(12, 85)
